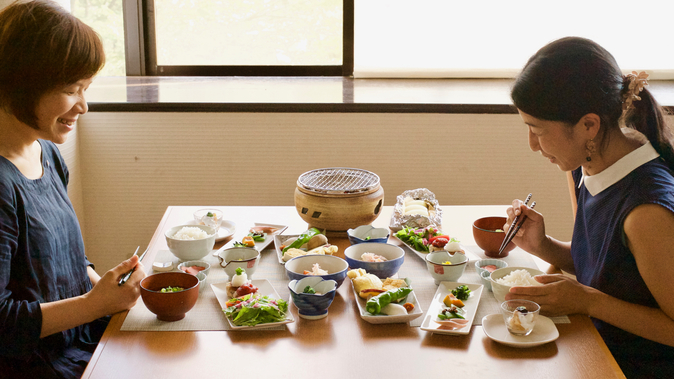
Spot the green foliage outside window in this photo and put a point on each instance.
(106, 18)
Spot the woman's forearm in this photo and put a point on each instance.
(557, 253)
(646, 322)
(61, 315)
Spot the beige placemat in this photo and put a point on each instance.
(424, 286)
(207, 313)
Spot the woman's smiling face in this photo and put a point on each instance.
(59, 109)
(562, 144)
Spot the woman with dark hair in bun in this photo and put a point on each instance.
(608, 132)
(52, 302)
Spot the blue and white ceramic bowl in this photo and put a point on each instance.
(499, 263)
(395, 256)
(367, 233)
(204, 264)
(335, 266)
(202, 280)
(313, 306)
(486, 281)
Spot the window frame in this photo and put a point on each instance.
(141, 56)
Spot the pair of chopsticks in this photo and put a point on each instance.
(515, 227)
(128, 274)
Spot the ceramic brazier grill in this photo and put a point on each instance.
(338, 198)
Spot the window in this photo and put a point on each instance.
(368, 38)
(246, 37)
(494, 38)
(254, 33)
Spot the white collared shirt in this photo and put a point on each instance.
(612, 174)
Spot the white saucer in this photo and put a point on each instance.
(227, 229)
(494, 327)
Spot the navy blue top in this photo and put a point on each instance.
(603, 261)
(41, 260)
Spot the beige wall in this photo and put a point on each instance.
(133, 165)
(70, 152)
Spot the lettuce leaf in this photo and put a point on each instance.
(256, 309)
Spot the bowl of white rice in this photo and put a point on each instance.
(190, 242)
(504, 278)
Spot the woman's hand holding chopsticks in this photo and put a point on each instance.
(531, 235)
(109, 296)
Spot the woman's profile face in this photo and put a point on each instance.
(556, 141)
(58, 110)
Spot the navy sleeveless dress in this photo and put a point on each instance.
(603, 261)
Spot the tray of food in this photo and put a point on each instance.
(421, 241)
(312, 241)
(385, 301)
(251, 304)
(453, 308)
(259, 236)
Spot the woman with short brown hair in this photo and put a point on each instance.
(52, 302)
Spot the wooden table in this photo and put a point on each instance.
(343, 345)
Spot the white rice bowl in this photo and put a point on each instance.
(504, 278)
(188, 244)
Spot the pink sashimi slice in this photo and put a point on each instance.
(453, 323)
(490, 268)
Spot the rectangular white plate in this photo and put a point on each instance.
(259, 246)
(422, 255)
(264, 288)
(279, 240)
(384, 319)
(437, 305)
(269, 237)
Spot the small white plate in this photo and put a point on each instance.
(264, 288)
(227, 229)
(470, 306)
(544, 331)
(385, 319)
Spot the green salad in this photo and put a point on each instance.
(253, 309)
(418, 238)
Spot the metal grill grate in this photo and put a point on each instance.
(339, 180)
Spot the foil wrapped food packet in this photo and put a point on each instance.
(416, 208)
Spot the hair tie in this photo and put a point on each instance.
(637, 82)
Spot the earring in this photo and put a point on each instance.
(590, 148)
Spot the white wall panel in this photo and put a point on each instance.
(134, 165)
